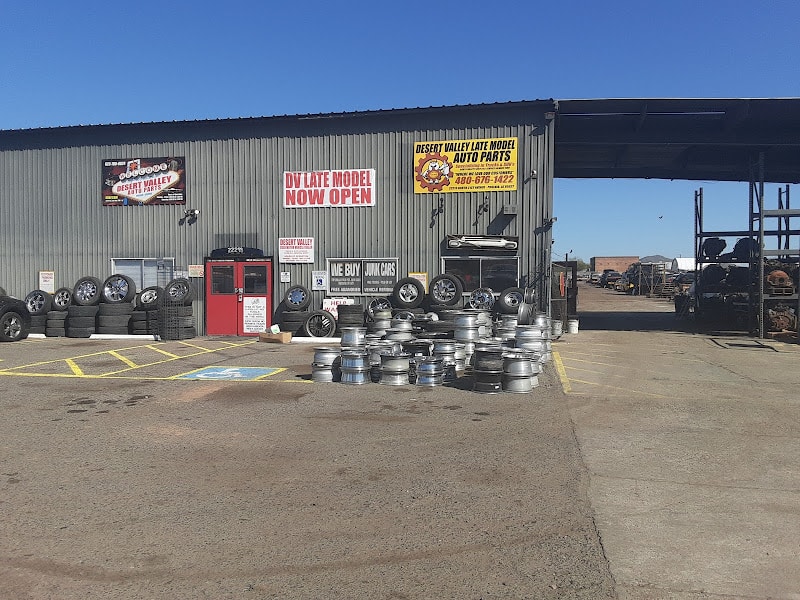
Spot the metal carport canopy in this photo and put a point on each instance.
(714, 139)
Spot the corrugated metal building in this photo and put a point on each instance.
(419, 176)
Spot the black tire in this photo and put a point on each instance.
(79, 332)
(62, 298)
(297, 297)
(408, 293)
(141, 326)
(113, 321)
(76, 310)
(113, 330)
(140, 315)
(446, 290)
(38, 302)
(118, 289)
(125, 308)
(378, 304)
(57, 315)
(482, 298)
(15, 321)
(55, 332)
(147, 299)
(81, 322)
(509, 300)
(178, 291)
(87, 291)
(299, 316)
(320, 323)
(38, 321)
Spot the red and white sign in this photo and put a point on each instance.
(309, 189)
(296, 250)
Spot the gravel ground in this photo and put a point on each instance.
(287, 489)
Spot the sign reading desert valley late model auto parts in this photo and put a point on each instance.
(482, 165)
(338, 189)
(140, 181)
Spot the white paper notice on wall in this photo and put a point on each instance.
(286, 277)
(319, 280)
(254, 315)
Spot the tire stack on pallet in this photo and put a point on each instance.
(115, 308)
(144, 318)
(57, 315)
(54, 326)
(294, 315)
(39, 304)
(175, 314)
(81, 321)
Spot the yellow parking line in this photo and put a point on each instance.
(164, 352)
(590, 362)
(127, 361)
(76, 370)
(562, 373)
(628, 391)
(275, 372)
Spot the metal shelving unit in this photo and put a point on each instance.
(769, 241)
(783, 235)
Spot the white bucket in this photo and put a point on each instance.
(572, 326)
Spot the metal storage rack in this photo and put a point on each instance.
(756, 296)
(784, 252)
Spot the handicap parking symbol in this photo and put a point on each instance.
(230, 373)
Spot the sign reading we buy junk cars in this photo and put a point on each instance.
(361, 276)
(342, 188)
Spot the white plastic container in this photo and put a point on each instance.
(572, 326)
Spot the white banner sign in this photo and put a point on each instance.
(309, 189)
(296, 250)
(254, 315)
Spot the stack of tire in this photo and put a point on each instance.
(144, 318)
(38, 303)
(350, 315)
(295, 304)
(100, 307)
(57, 315)
(81, 321)
(175, 313)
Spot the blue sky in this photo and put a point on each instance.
(91, 62)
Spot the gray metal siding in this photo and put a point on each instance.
(53, 217)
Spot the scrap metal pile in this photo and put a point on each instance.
(727, 290)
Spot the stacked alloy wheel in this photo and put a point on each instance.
(81, 321)
(57, 315)
(295, 304)
(115, 308)
(39, 304)
(175, 314)
(144, 318)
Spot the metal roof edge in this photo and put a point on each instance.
(298, 117)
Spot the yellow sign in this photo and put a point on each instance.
(482, 165)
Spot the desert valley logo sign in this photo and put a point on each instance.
(139, 181)
(479, 165)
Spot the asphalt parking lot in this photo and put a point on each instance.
(654, 461)
(214, 468)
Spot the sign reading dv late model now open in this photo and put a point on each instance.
(343, 188)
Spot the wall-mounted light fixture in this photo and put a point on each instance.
(191, 213)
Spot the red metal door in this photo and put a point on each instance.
(238, 296)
